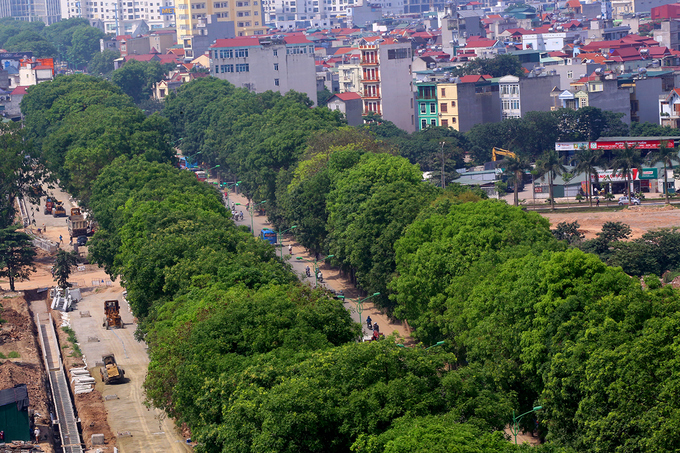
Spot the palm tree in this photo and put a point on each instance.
(625, 161)
(586, 162)
(550, 164)
(667, 155)
(516, 166)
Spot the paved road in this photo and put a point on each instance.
(333, 279)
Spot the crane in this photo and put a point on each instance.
(495, 152)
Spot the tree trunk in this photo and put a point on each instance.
(516, 189)
(10, 275)
(550, 191)
(665, 183)
(589, 188)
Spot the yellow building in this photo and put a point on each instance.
(448, 105)
(246, 15)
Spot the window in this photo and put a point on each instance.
(433, 108)
(443, 107)
(423, 124)
(433, 122)
(445, 123)
(242, 68)
(221, 4)
(453, 103)
(226, 53)
(276, 82)
(423, 107)
(570, 74)
(398, 54)
(453, 120)
(276, 66)
(241, 53)
(241, 4)
(443, 92)
(276, 53)
(227, 68)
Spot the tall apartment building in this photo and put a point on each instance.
(119, 16)
(385, 85)
(47, 11)
(280, 63)
(247, 16)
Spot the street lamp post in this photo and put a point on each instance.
(516, 419)
(208, 170)
(234, 184)
(189, 159)
(360, 306)
(316, 266)
(279, 235)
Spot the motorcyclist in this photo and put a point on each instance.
(375, 327)
(369, 323)
(319, 276)
(307, 271)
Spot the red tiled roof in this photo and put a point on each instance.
(474, 78)
(627, 53)
(574, 4)
(249, 41)
(178, 52)
(347, 96)
(42, 67)
(122, 37)
(481, 43)
(558, 54)
(296, 39)
(19, 90)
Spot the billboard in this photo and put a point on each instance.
(639, 144)
(167, 10)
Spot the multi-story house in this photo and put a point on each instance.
(280, 63)
(119, 16)
(386, 81)
(669, 109)
(519, 96)
(426, 99)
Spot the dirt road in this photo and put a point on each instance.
(138, 429)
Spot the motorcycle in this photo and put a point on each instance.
(369, 324)
(319, 277)
(308, 272)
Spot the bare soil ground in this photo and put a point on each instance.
(641, 219)
(18, 337)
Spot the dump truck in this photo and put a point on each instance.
(112, 317)
(49, 204)
(77, 225)
(111, 372)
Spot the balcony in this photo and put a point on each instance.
(369, 62)
(375, 95)
(366, 112)
(370, 78)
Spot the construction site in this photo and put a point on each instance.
(74, 352)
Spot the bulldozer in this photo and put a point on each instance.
(111, 372)
(112, 317)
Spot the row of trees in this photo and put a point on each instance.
(250, 359)
(240, 351)
(72, 40)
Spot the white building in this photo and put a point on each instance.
(553, 42)
(529, 94)
(116, 15)
(280, 63)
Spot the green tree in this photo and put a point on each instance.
(323, 96)
(624, 162)
(16, 255)
(498, 66)
(63, 265)
(84, 45)
(568, 231)
(587, 161)
(136, 78)
(102, 62)
(516, 167)
(551, 165)
(667, 155)
(21, 173)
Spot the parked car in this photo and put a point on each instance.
(624, 201)
(82, 240)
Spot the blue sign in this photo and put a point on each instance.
(168, 10)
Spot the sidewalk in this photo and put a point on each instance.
(332, 278)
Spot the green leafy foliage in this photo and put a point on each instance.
(63, 266)
(136, 78)
(16, 255)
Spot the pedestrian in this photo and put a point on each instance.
(44, 229)
(36, 433)
(61, 239)
(597, 202)
(70, 241)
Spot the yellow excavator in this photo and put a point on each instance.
(495, 152)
